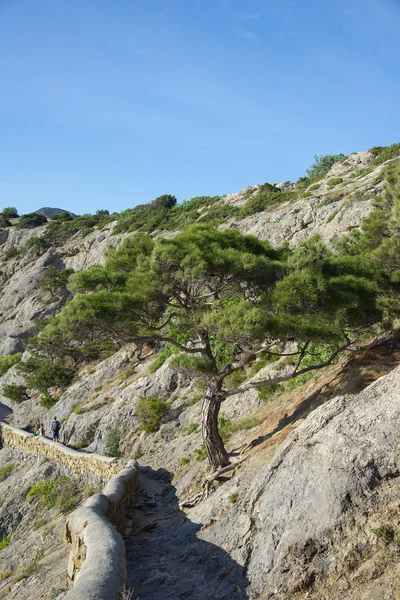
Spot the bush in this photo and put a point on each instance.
(6, 362)
(4, 222)
(55, 592)
(224, 426)
(39, 243)
(31, 220)
(267, 195)
(10, 212)
(322, 165)
(16, 393)
(48, 401)
(53, 281)
(200, 453)
(42, 374)
(192, 428)
(333, 181)
(384, 153)
(5, 541)
(150, 411)
(63, 494)
(112, 442)
(5, 471)
(12, 252)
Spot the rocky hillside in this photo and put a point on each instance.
(312, 511)
(324, 208)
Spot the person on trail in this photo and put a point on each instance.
(37, 428)
(55, 429)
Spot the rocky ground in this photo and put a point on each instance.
(33, 565)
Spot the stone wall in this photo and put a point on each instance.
(75, 461)
(97, 561)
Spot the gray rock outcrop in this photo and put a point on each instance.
(309, 514)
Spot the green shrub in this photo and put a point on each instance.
(112, 442)
(12, 252)
(162, 356)
(39, 243)
(184, 461)
(192, 428)
(48, 401)
(53, 281)
(55, 592)
(6, 362)
(170, 216)
(10, 212)
(360, 172)
(150, 410)
(266, 196)
(322, 164)
(333, 181)
(200, 453)
(4, 222)
(16, 393)
(42, 374)
(224, 426)
(31, 220)
(63, 494)
(267, 393)
(5, 541)
(384, 153)
(333, 215)
(5, 471)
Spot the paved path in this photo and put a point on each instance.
(166, 560)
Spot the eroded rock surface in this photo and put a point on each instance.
(307, 521)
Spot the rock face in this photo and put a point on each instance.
(308, 519)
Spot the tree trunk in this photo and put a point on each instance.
(217, 455)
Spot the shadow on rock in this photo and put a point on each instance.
(5, 411)
(166, 559)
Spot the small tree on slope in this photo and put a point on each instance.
(220, 299)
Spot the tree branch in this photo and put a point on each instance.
(281, 379)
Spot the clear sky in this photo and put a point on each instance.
(110, 103)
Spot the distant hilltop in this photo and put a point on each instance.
(49, 212)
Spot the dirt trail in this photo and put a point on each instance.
(166, 559)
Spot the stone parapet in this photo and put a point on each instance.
(77, 462)
(97, 561)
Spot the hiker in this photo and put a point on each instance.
(55, 429)
(38, 426)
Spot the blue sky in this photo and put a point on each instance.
(110, 103)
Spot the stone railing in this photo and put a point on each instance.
(97, 561)
(75, 461)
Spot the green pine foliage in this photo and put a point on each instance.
(54, 281)
(6, 362)
(268, 195)
(150, 411)
(16, 392)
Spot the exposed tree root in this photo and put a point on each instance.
(207, 486)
